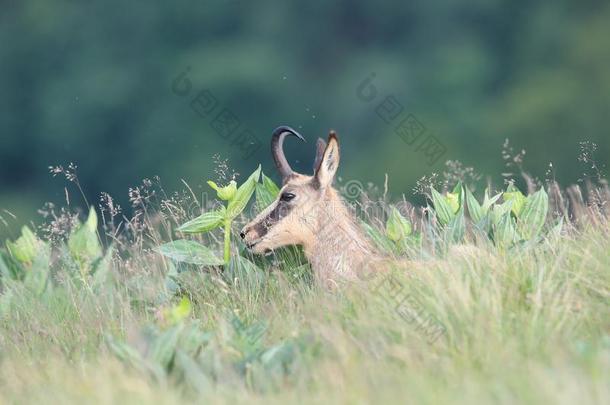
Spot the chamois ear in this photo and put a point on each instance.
(320, 148)
(325, 174)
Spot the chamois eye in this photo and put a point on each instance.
(287, 196)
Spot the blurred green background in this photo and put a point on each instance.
(91, 83)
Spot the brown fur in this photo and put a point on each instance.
(318, 220)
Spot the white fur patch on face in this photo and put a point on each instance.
(279, 225)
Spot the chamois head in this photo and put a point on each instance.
(302, 206)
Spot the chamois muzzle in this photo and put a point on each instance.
(277, 149)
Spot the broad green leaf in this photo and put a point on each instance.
(163, 347)
(248, 335)
(205, 222)
(397, 226)
(194, 376)
(213, 185)
(10, 268)
(453, 200)
(474, 208)
(456, 196)
(101, 270)
(499, 210)
(270, 186)
(91, 222)
(377, 237)
(243, 195)
(133, 358)
(513, 194)
(533, 215)
(263, 197)
(188, 251)
(83, 244)
(488, 202)
(505, 233)
(413, 242)
(224, 193)
(24, 249)
(457, 227)
(36, 279)
(485, 224)
(266, 193)
(444, 212)
(243, 271)
(193, 339)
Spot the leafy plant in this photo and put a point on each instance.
(517, 218)
(399, 235)
(397, 226)
(266, 192)
(447, 207)
(84, 245)
(25, 247)
(477, 211)
(518, 199)
(533, 215)
(188, 251)
(236, 201)
(181, 349)
(28, 260)
(449, 212)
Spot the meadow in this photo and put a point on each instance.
(505, 299)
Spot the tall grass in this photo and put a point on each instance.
(524, 324)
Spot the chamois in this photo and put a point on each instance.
(310, 212)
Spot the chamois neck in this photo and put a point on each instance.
(339, 249)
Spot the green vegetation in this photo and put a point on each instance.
(501, 291)
(237, 200)
(502, 301)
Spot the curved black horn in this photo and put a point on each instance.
(277, 149)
